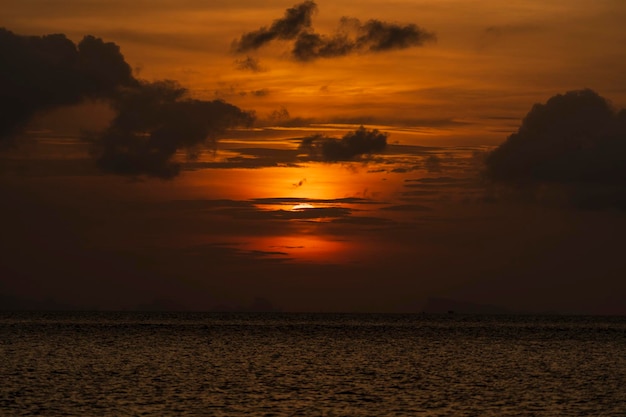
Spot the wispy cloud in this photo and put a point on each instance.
(249, 64)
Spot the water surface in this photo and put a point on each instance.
(311, 365)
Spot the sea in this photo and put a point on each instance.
(280, 364)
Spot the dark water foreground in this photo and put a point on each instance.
(117, 364)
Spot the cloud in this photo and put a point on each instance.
(295, 200)
(310, 46)
(352, 36)
(296, 19)
(576, 139)
(251, 158)
(350, 146)
(380, 36)
(44, 72)
(249, 64)
(299, 183)
(154, 121)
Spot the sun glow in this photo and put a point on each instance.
(306, 248)
(302, 206)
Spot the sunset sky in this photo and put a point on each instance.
(258, 220)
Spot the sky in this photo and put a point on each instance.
(313, 156)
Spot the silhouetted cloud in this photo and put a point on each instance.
(433, 163)
(279, 115)
(576, 138)
(296, 19)
(296, 200)
(352, 36)
(299, 183)
(43, 72)
(310, 46)
(154, 121)
(378, 36)
(407, 207)
(251, 158)
(351, 145)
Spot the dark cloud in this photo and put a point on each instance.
(311, 213)
(296, 20)
(310, 46)
(378, 36)
(251, 158)
(299, 183)
(156, 120)
(433, 163)
(350, 146)
(407, 207)
(256, 213)
(279, 115)
(352, 36)
(576, 139)
(44, 72)
(295, 200)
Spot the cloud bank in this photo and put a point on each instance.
(154, 121)
(40, 73)
(576, 139)
(352, 36)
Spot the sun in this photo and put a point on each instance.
(302, 206)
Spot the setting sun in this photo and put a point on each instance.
(302, 206)
(198, 152)
(313, 207)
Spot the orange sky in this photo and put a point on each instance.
(379, 234)
(492, 60)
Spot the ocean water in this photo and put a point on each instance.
(201, 364)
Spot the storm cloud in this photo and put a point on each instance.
(352, 36)
(575, 139)
(40, 73)
(349, 147)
